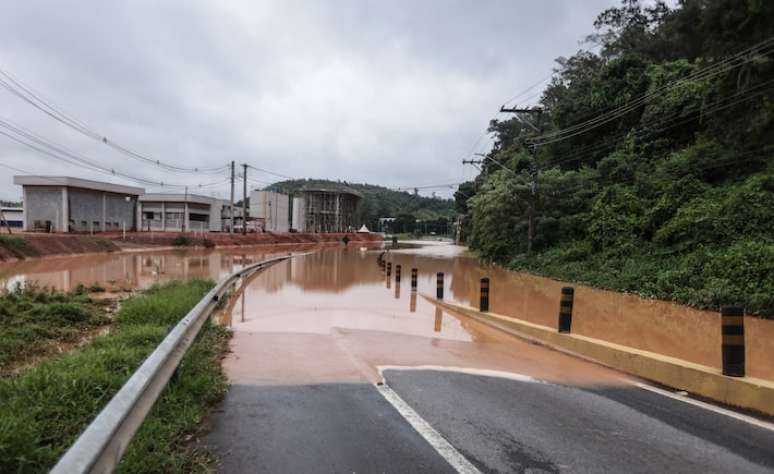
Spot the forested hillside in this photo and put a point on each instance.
(379, 201)
(653, 164)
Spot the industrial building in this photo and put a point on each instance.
(326, 209)
(13, 217)
(180, 212)
(270, 211)
(66, 204)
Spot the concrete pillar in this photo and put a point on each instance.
(186, 223)
(65, 210)
(25, 210)
(104, 211)
(163, 216)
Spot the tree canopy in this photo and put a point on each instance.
(654, 163)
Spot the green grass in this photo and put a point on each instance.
(706, 277)
(18, 246)
(182, 241)
(46, 407)
(33, 321)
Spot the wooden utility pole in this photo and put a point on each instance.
(244, 199)
(5, 222)
(533, 168)
(231, 206)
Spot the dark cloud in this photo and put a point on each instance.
(394, 93)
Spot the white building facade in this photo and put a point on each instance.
(271, 210)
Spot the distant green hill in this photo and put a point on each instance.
(379, 201)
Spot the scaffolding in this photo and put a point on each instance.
(330, 209)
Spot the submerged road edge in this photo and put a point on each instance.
(748, 393)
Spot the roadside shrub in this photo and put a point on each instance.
(18, 246)
(182, 241)
(209, 244)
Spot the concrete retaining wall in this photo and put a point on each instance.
(747, 392)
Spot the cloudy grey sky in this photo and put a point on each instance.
(387, 92)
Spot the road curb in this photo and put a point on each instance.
(744, 392)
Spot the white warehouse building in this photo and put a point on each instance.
(271, 210)
(180, 212)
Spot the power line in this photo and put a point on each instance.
(702, 74)
(58, 152)
(25, 93)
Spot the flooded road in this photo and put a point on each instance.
(336, 368)
(346, 290)
(333, 316)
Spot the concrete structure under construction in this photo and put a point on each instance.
(270, 210)
(180, 212)
(66, 204)
(328, 209)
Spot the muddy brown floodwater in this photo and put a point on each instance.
(333, 316)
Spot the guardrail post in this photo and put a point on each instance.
(413, 279)
(483, 305)
(397, 273)
(565, 309)
(732, 321)
(439, 285)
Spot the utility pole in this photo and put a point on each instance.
(185, 208)
(533, 167)
(244, 199)
(231, 206)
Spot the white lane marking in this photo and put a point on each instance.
(438, 442)
(722, 411)
(462, 370)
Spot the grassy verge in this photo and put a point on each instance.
(19, 247)
(46, 407)
(35, 322)
(705, 277)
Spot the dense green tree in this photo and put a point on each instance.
(655, 172)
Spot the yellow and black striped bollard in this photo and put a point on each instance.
(413, 279)
(484, 301)
(389, 268)
(565, 309)
(439, 286)
(397, 273)
(732, 320)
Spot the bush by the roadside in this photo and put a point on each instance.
(705, 276)
(45, 408)
(18, 246)
(34, 321)
(182, 241)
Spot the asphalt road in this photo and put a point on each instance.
(499, 425)
(504, 425)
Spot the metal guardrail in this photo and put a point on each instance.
(100, 447)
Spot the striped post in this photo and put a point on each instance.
(389, 268)
(565, 309)
(732, 320)
(397, 273)
(439, 285)
(413, 279)
(484, 302)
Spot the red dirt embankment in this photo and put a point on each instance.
(28, 245)
(231, 240)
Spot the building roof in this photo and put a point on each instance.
(71, 182)
(178, 197)
(331, 189)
